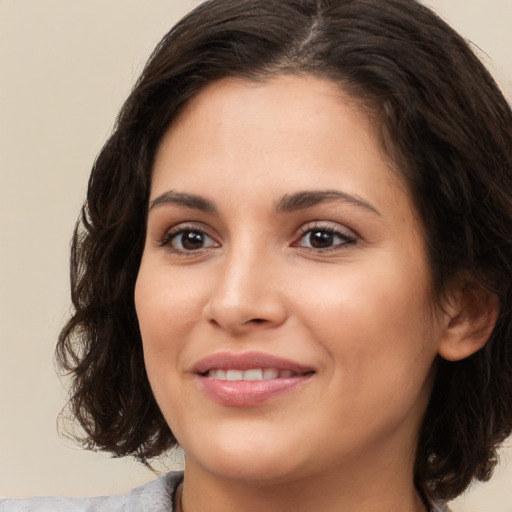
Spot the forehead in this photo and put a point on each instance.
(268, 117)
(288, 132)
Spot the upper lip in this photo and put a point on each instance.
(247, 361)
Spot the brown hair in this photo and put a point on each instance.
(443, 121)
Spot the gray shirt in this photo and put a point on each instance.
(156, 496)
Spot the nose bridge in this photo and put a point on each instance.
(246, 292)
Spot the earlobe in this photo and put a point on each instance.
(470, 322)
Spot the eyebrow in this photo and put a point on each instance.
(298, 201)
(308, 198)
(184, 199)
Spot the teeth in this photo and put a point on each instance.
(218, 374)
(270, 373)
(256, 374)
(234, 375)
(252, 374)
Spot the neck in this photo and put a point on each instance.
(388, 489)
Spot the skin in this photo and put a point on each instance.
(359, 310)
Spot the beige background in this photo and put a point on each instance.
(65, 68)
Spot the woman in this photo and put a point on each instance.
(294, 261)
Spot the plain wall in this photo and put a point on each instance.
(65, 69)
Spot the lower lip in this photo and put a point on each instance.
(247, 393)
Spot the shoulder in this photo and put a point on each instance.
(439, 507)
(155, 496)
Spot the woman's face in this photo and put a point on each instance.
(284, 295)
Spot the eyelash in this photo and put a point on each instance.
(173, 234)
(345, 238)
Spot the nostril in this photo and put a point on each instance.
(257, 320)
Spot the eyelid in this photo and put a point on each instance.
(348, 235)
(327, 225)
(331, 226)
(170, 233)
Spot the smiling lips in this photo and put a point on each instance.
(252, 374)
(244, 380)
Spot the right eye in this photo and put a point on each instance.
(188, 240)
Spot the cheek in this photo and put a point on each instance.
(379, 334)
(373, 320)
(166, 319)
(162, 315)
(166, 303)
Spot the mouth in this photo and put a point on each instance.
(253, 374)
(248, 366)
(249, 379)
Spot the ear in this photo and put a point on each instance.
(471, 315)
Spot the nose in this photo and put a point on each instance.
(247, 295)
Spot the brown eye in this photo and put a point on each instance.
(322, 238)
(190, 240)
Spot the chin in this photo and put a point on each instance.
(244, 456)
(264, 468)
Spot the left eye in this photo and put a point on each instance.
(189, 240)
(322, 238)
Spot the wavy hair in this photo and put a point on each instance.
(444, 123)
